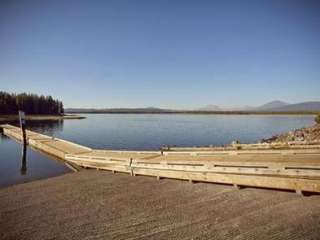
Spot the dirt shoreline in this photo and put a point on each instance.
(308, 135)
(100, 205)
(41, 117)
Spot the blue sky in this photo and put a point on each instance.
(172, 54)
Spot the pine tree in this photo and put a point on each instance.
(29, 103)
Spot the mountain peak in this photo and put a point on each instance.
(210, 107)
(273, 104)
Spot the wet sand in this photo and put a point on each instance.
(100, 205)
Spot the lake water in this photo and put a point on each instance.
(138, 132)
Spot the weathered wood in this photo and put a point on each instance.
(22, 120)
(281, 171)
(244, 152)
(311, 185)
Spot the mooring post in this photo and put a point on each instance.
(236, 186)
(22, 120)
(299, 192)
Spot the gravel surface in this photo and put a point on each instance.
(100, 205)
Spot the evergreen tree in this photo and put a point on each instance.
(29, 103)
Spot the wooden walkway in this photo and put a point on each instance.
(295, 167)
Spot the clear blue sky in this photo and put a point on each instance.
(175, 53)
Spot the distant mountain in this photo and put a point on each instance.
(116, 110)
(298, 107)
(267, 106)
(211, 107)
(272, 105)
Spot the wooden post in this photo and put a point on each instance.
(22, 120)
(236, 186)
(299, 192)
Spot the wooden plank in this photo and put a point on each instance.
(304, 159)
(100, 161)
(244, 152)
(263, 146)
(110, 167)
(280, 171)
(243, 180)
(122, 154)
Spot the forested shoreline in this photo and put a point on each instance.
(11, 103)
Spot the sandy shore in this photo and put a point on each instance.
(100, 205)
(40, 117)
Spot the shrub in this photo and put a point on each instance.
(317, 119)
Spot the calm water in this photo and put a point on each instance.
(139, 131)
(13, 169)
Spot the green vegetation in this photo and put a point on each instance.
(29, 103)
(317, 119)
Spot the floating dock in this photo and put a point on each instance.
(290, 167)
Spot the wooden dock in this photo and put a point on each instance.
(295, 167)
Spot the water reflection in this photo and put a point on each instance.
(45, 127)
(3, 137)
(22, 164)
(23, 169)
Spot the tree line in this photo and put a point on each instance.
(11, 103)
